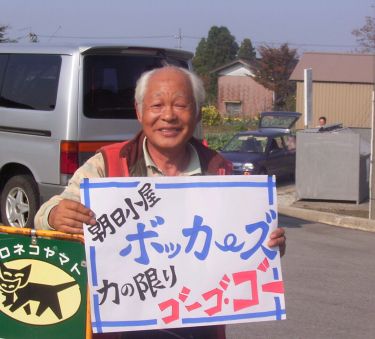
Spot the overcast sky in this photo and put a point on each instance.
(308, 25)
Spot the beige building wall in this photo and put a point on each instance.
(254, 98)
(349, 104)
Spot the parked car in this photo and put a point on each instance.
(58, 105)
(269, 150)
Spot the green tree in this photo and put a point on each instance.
(200, 57)
(365, 35)
(219, 48)
(273, 69)
(246, 51)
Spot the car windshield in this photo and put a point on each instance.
(277, 121)
(246, 143)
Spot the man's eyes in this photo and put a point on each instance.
(177, 105)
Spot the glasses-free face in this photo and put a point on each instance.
(168, 114)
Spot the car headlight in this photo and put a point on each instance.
(247, 166)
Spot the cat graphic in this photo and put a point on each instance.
(19, 292)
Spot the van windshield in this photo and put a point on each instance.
(109, 83)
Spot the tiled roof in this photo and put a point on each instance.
(337, 67)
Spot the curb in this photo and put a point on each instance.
(362, 224)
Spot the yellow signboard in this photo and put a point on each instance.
(43, 285)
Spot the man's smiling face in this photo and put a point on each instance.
(168, 114)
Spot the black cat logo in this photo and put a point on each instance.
(26, 298)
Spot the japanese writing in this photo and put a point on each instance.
(146, 282)
(145, 238)
(39, 251)
(212, 301)
(107, 224)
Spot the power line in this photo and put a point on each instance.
(106, 37)
(180, 37)
(54, 33)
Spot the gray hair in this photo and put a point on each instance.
(199, 93)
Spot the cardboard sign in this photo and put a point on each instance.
(182, 251)
(43, 285)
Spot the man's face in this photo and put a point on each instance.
(322, 122)
(168, 112)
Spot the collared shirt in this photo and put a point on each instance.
(193, 167)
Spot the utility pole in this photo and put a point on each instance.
(33, 37)
(371, 213)
(372, 176)
(308, 97)
(179, 38)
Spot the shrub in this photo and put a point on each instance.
(218, 130)
(217, 141)
(210, 116)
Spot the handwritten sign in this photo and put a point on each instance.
(182, 251)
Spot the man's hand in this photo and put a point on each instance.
(69, 216)
(277, 238)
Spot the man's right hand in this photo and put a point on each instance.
(69, 216)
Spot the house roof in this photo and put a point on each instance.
(234, 68)
(337, 67)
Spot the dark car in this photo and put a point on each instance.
(269, 150)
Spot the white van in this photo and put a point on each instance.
(58, 105)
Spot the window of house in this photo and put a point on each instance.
(233, 107)
(30, 82)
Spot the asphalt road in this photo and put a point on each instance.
(329, 278)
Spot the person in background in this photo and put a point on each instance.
(322, 121)
(168, 103)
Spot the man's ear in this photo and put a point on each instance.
(138, 111)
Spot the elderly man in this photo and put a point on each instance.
(168, 102)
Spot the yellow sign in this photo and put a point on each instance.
(31, 290)
(43, 285)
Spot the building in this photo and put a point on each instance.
(342, 87)
(239, 95)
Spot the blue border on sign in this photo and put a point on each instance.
(277, 313)
(270, 184)
(98, 324)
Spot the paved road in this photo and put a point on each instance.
(329, 276)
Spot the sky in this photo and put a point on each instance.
(307, 25)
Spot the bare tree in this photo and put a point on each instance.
(3, 29)
(2, 33)
(365, 35)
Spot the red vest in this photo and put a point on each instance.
(117, 165)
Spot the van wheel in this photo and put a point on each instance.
(19, 201)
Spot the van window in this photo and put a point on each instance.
(109, 83)
(30, 82)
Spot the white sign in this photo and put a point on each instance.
(182, 251)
